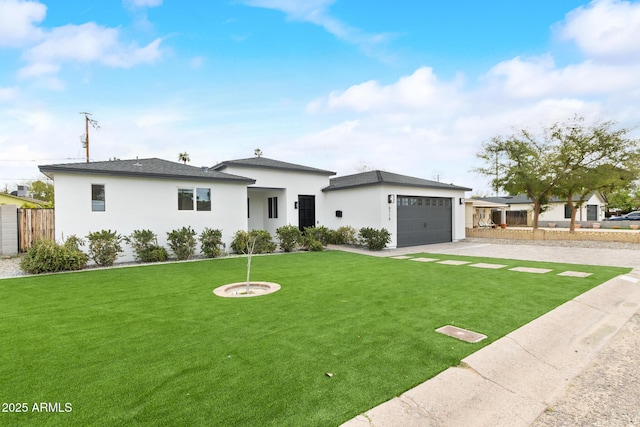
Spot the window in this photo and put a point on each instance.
(97, 197)
(567, 210)
(273, 207)
(203, 199)
(185, 199)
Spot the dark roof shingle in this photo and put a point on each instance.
(151, 168)
(264, 162)
(382, 177)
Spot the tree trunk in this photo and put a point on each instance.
(251, 244)
(572, 224)
(536, 213)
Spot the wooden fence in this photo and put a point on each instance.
(34, 224)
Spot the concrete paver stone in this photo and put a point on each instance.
(516, 378)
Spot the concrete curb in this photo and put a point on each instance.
(514, 379)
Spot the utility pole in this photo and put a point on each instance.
(85, 138)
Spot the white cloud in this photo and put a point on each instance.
(605, 30)
(420, 90)
(539, 76)
(17, 22)
(316, 12)
(8, 93)
(86, 43)
(142, 3)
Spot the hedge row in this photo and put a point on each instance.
(105, 246)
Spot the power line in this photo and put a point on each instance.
(41, 160)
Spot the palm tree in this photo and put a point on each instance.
(184, 157)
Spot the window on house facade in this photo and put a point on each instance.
(97, 198)
(567, 210)
(203, 199)
(190, 199)
(185, 199)
(273, 207)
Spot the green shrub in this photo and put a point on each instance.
(345, 235)
(211, 242)
(104, 247)
(289, 236)
(263, 243)
(321, 234)
(182, 242)
(145, 246)
(46, 256)
(314, 245)
(374, 239)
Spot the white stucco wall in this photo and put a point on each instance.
(145, 203)
(286, 185)
(555, 211)
(368, 206)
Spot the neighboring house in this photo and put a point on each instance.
(253, 193)
(520, 209)
(20, 201)
(481, 213)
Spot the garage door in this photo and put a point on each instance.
(424, 220)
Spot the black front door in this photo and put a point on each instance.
(592, 212)
(306, 211)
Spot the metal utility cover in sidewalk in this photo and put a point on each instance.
(461, 334)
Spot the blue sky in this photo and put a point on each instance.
(406, 86)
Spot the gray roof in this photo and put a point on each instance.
(382, 177)
(521, 199)
(150, 168)
(263, 162)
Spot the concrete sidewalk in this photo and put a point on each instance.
(517, 378)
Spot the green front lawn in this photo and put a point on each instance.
(152, 345)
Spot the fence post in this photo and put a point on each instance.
(8, 230)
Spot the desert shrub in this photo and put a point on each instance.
(182, 242)
(46, 256)
(145, 246)
(321, 234)
(374, 239)
(345, 235)
(104, 247)
(314, 245)
(263, 243)
(211, 242)
(289, 236)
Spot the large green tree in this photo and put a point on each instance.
(41, 190)
(624, 199)
(596, 157)
(522, 163)
(569, 159)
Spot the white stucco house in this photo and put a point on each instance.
(519, 210)
(252, 193)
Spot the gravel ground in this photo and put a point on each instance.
(10, 267)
